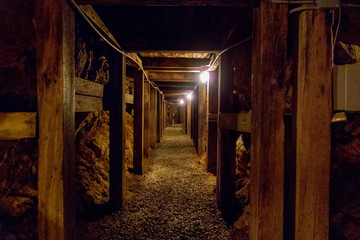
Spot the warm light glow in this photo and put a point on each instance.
(204, 76)
(189, 96)
(181, 101)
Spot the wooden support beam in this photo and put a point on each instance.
(268, 104)
(138, 121)
(226, 162)
(17, 125)
(174, 77)
(88, 88)
(202, 118)
(146, 119)
(313, 133)
(129, 99)
(212, 122)
(164, 63)
(240, 122)
(188, 117)
(88, 103)
(55, 43)
(153, 117)
(117, 131)
(218, 3)
(158, 116)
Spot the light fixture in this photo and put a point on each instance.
(189, 96)
(204, 76)
(181, 101)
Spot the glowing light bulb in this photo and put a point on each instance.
(189, 96)
(204, 76)
(181, 101)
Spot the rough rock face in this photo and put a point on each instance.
(92, 158)
(243, 182)
(18, 61)
(345, 179)
(347, 48)
(18, 187)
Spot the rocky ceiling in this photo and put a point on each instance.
(174, 41)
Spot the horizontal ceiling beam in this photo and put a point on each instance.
(175, 84)
(170, 63)
(173, 76)
(214, 3)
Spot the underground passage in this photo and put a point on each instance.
(180, 119)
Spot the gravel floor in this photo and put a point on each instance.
(174, 199)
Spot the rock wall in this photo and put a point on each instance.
(18, 158)
(92, 158)
(243, 183)
(345, 179)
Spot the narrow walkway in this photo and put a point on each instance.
(174, 199)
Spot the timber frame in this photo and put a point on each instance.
(60, 95)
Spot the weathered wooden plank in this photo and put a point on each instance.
(17, 125)
(218, 3)
(313, 133)
(226, 139)
(88, 88)
(55, 42)
(158, 115)
(153, 117)
(212, 122)
(88, 104)
(117, 131)
(268, 131)
(173, 77)
(240, 122)
(129, 99)
(202, 118)
(163, 63)
(138, 121)
(188, 117)
(146, 119)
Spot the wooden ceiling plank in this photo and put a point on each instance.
(169, 3)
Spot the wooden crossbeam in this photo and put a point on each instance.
(174, 76)
(163, 63)
(17, 125)
(233, 3)
(240, 122)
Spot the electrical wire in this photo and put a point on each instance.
(336, 32)
(73, 3)
(303, 8)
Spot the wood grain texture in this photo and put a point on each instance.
(153, 117)
(202, 120)
(129, 99)
(240, 122)
(168, 2)
(117, 132)
(158, 116)
(146, 136)
(188, 117)
(226, 139)
(88, 88)
(268, 106)
(138, 121)
(212, 122)
(17, 125)
(163, 63)
(55, 34)
(313, 135)
(88, 104)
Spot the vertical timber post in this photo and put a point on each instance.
(158, 116)
(55, 34)
(202, 115)
(188, 117)
(212, 122)
(153, 117)
(268, 131)
(138, 121)
(313, 133)
(225, 175)
(117, 132)
(146, 118)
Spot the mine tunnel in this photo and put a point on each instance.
(180, 119)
